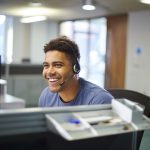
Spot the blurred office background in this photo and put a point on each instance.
(113, 41)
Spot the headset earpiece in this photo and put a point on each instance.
(76, 68)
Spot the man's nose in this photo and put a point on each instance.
(51, 70)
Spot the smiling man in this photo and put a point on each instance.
(61, 70)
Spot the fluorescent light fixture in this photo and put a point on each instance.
(88, 5)
(145, 1)
(33, 11)
(33, 19)
(35, 4)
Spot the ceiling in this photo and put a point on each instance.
(70, 9)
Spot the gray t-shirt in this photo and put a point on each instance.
(88, 94)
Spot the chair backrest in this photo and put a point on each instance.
(133, 96)
(136, 97)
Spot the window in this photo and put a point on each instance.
(2, 31)
(6, 39)
(90, 35)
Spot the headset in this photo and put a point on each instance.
(76, 65)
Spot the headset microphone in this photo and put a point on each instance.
(61, 84)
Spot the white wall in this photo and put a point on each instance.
(138, 65)
(29, 39)
(21, 40)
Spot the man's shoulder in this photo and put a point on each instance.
(95, 93)
(48, 98)
(89, 85)
(46, 91)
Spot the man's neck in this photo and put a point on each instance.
(70, 92)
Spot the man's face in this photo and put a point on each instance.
(57, 69)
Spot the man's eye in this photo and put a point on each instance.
(58, 65)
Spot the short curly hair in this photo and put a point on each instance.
(64, 44)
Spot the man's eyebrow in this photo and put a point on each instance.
(53, 62)
(58, 62)
(44, 62)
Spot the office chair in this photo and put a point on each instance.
(135, 97)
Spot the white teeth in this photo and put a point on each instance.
(52, 80)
